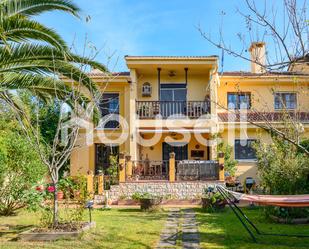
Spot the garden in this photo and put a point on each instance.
(131, 228)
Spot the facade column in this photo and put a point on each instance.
(100, 184)
(129, 168)
(213, 88)
(132, 115)
(214, 82)
(172, 167)
(122, 168)
(90, 183)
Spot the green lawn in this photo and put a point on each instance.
(116, 228)
(130, 228)
(224, 230)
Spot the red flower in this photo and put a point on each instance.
(39, 188)
(51, 189)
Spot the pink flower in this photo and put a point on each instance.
(51, 189)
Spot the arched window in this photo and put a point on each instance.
(146, 89)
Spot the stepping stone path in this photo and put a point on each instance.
(180, 230)
(190, 234)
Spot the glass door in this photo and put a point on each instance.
(173, 98)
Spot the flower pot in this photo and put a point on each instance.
(150, 203)
(60, 195)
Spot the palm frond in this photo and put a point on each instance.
(19, 29)
(28, 52)
(35, 7)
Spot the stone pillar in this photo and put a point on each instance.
(221, 166)
(172, 167)
(90, 185)
(129, 168)
(122, 168)
(100, 184)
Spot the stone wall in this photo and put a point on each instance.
(168, 190)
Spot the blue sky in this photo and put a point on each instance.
(150, 27)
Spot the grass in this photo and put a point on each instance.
(116, 228)
(224, 230)
(130, 228)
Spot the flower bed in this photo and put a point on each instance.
(63, 231)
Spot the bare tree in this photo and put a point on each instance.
(287, 34)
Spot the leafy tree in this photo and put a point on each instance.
(20, 170)
(229, 163)
(281, 169)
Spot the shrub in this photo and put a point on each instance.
(229, 163)
(282, 171)
(212, 201)
(20, 171)
(138, 196)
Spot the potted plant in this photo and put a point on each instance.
(61, 189)
(213, 200)
(148, 202)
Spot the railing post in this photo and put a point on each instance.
(172, 169)
(129, 168)
(122, 168)
(100, 184)
(90, 185)
(221, 166)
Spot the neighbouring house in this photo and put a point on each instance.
(181, 104)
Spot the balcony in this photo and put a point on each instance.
(165, 109)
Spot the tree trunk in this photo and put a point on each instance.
(55, 211)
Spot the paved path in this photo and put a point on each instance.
(190, 234)
(180, 230)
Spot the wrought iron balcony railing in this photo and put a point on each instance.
(190, 109)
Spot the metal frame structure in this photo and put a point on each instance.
(243, 218)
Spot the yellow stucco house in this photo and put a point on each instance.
(180, 104)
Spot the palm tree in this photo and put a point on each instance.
(32, 55)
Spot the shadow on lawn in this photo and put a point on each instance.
(224, 229)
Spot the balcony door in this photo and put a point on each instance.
(173, 99)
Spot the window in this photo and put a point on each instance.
(243, 149)
(284, 100)
(110, 105)
(239, 101)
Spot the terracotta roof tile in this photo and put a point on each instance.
(244, 74)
